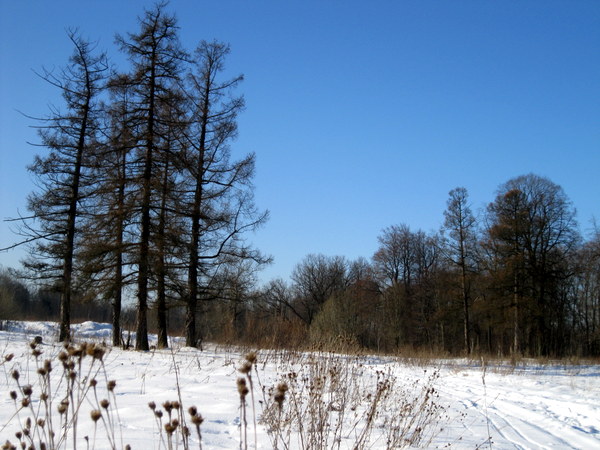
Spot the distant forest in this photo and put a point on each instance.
(140, 203)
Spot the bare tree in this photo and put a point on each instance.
(532, 235)
(63, 175)
(156, 56)
(394, 260)
(315, 279)
(220, 206)
(461, 249)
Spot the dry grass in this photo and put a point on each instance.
(334, 401)
(320, 400)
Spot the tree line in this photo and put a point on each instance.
(138, 196)
(520, 280)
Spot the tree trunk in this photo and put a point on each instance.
(65, 298)
(161, 295)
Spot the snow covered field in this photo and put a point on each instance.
(452, 403)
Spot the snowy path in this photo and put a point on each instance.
(549, 407)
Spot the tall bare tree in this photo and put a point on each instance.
(533, 233)
(156, 56)
(221, 206)
(461, 249)
(63, 175)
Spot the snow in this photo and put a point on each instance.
(486, 405)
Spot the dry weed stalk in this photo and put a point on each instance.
(326, 402)
(47, 408)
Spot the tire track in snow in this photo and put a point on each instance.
(525, 418)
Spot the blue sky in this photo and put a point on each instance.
(362, 114)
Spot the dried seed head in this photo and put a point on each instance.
(63, 406)
(9, 357)
(169, 428)
(158, 413)
(15, 374)
(41, 371)
(25, 402)
(93, 382)
(41, 423)
(43, 396)
(175, 404)
(13, 395)
(152, 406)
(104, 403)
(192, 410)
(168, 406)
(197, 420)
(27, 390)
(63, 356)
(48, 366)
(8, 446)
(246, 367)
(251, 357)
(242, 388)
(111, 385)
(95, 414)
(98, 353)
(280, 394)
(36, 352)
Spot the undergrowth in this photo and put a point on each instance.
(319, 400)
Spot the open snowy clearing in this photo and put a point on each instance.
(528, 407)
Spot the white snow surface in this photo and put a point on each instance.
(527, 406)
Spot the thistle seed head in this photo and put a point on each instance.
(251, 357)
(246, 367)
(197, 420)
(242, 388)
(95, 414)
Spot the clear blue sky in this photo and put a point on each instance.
(363, 114)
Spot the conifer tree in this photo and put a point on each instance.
(64, 175)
